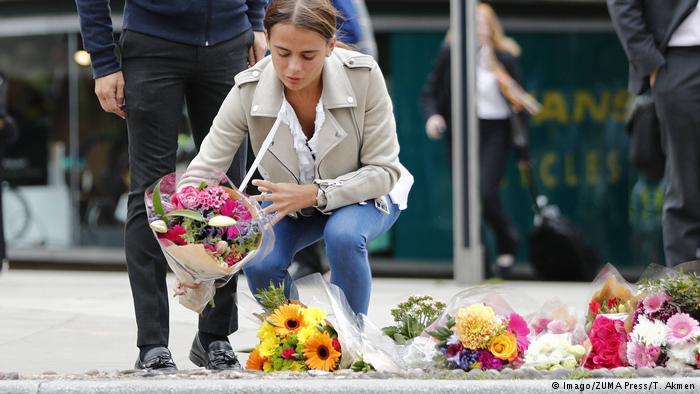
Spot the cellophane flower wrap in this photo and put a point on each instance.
(324, 318)
(479, 330)
(666, 330)
(557, 337)
(609, 320)
(207, 230)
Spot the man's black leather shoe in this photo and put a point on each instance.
(157, 359)
(218, 357)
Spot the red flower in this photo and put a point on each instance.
(594, 307)
(608, 344)
(288, 353)
(697, 361)
(336, 344)
(174, 235)
(612, 303)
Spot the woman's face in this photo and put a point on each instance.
(298, 55)
(483, 28)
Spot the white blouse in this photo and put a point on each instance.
(306, 152)
(490, 103)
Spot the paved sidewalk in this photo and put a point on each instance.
(72, 322)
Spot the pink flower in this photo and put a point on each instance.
(540, 325)
(488, 361)
(212, 197)
(681, 328)
(654, 302)
(518, 326)
(608, 340)
(640, 356)
(232, 232)
(288, 353)
(210, 248)
(187, 198)
(558, 327)
(228, 207)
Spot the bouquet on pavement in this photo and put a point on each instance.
(293, 336)
(556, 338)
(666, 330)
(207, 230)
(483, 334)
(608, 320)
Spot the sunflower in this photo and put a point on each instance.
(255, 361)
(320, 354)
(287, 319)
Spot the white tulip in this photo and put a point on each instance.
(221, 221)
(159, 226)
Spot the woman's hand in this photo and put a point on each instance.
(435, 126)
(285, 197)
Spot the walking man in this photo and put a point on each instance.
(170, 53)
(662, 42)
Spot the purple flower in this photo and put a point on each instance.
(488, 361)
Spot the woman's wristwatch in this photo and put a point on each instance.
(320, 199)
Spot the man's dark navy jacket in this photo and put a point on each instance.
(193, 22)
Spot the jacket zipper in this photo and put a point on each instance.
(207, 24)
(285, 166)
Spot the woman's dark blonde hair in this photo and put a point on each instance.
(500, 40)
(315, 15)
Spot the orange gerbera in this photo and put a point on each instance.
(320, 353)
(287, 319)
(255, 361)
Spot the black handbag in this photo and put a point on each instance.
(645, 146)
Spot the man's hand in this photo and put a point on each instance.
(652, 77)
(257, 50)
(110, 91)
(435, 126)
(285, 197)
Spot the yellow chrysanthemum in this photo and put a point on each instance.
(305, 333)
(287, 319)
(476, 325)
(267, 347)
(297, 366)
(255, 361)
(266, 331)
(320, 354)
(504, 346)
(313, 316)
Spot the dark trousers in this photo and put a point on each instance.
(677, 97)
(160, 76)
(494, 143)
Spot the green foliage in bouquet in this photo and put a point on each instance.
(683, 289)
(362, 366)
(272, 298)
(412, 317)
(443, 333)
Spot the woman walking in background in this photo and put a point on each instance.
(501, 107)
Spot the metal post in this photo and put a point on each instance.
(468, 254)
(73, 138)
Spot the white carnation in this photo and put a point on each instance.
(650, 333)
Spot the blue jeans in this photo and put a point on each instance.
(346, 232)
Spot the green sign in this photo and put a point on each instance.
(578, 149)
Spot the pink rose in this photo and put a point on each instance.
(187, 197)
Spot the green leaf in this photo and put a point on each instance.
(157, 202)
(399, 339)
(186, 213)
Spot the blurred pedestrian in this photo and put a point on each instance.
(662, 42)
(8, 135)
(171, 53)
(501, 105)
